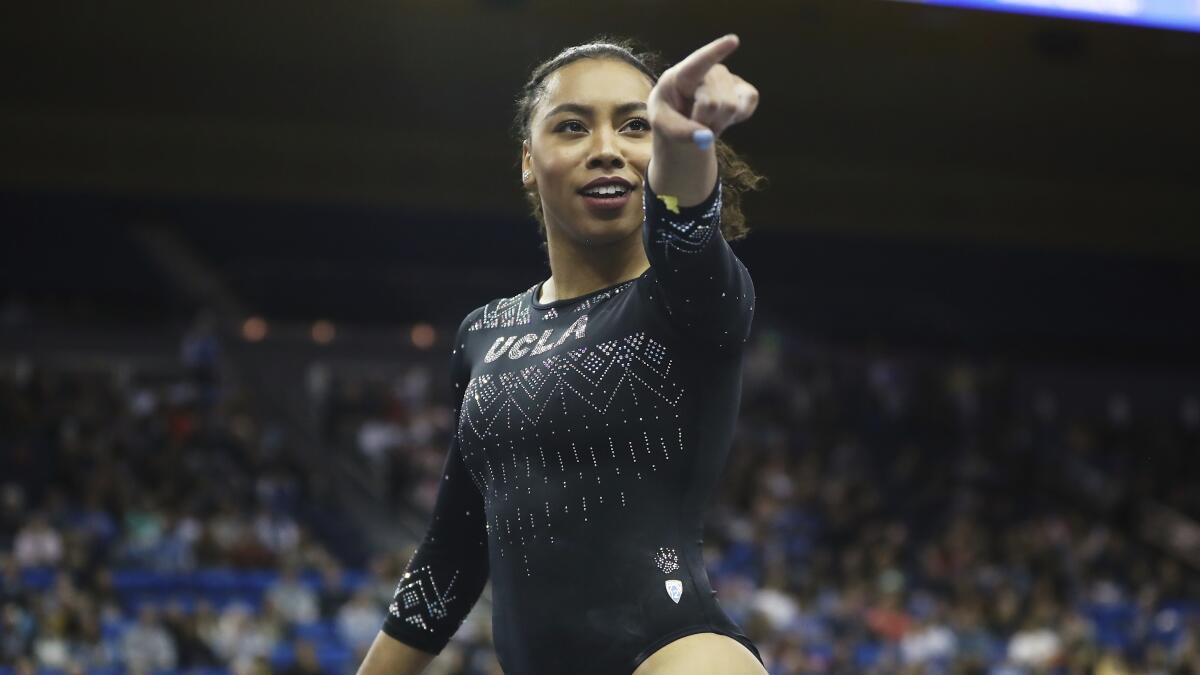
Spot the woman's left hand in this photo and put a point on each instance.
(698, 98)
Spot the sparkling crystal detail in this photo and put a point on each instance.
(418, 601)
(666, 560)
(687, 235)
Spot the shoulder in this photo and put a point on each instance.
(503, 312)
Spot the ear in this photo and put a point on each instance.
(527, 164)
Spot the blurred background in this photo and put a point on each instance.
(238, 235)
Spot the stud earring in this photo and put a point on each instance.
(525, 176)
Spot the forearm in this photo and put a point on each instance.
(682, 170)
(389, 656)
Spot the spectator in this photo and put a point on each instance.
(1034, 646)
(200, 351)
(304, 659)
(174, 551)
(239, 638)
(12, 586)
(292, 598)
(91, 651)
(358, 621)
(929, 641)
(38, 543)
(207, 623)
(192, 649)
(146, 644)
(334, 593)
(276, 531)
(95, 523)
(16, 632)
(53, 647)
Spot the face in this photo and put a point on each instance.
(591, 123)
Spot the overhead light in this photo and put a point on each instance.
(254, 329)
(323, 332)
(423, 335)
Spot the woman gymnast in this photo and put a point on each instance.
(595, 410)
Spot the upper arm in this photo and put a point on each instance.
(449, 569)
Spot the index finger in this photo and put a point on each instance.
(690, 71)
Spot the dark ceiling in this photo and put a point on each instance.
(946, 178)
(875, 117)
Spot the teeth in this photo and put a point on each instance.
(607, 190)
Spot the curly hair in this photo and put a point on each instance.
(736, 175)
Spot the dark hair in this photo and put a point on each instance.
(736, 175)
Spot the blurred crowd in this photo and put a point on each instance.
(909, 515)
(151, 522)
(882, 514)
(878, 514)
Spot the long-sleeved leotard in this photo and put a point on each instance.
(589, 436)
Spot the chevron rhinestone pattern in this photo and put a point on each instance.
(688, 235)
(504, 313)
(418, 601)
(527, 439)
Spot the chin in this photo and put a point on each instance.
(602, 232)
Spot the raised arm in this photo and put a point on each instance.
(446, 575)
(704, 288)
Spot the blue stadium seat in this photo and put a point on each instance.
(113, 629)
(38, 578)
(317, 631)
(333, 655)
(940, 666)
(866, 655)
(254, 602)
(258, 581)
(216, 579)
(997, 649)
(145, 580)
(354, 579)
(821, 650)
(1186, 608)
(281, 656)
(1113, 623)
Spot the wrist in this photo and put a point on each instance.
(682, 171)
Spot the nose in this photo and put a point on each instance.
(604, 152)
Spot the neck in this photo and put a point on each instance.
(578, 268)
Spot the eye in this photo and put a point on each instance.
(644, 123)
(563, 126)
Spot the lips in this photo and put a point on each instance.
(608, 206)
(607, 180)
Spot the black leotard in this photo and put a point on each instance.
(590, 435)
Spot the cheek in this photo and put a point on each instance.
(554, 171)
(642, 165)
(639, 158)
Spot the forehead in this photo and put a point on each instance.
(596, 82)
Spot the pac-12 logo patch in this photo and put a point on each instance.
(674, 589)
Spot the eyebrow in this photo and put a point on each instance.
(622, 109)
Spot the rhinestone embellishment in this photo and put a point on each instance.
(666, 560)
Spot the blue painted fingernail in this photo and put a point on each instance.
(703, 138)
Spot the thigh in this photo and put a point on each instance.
(702, 654)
